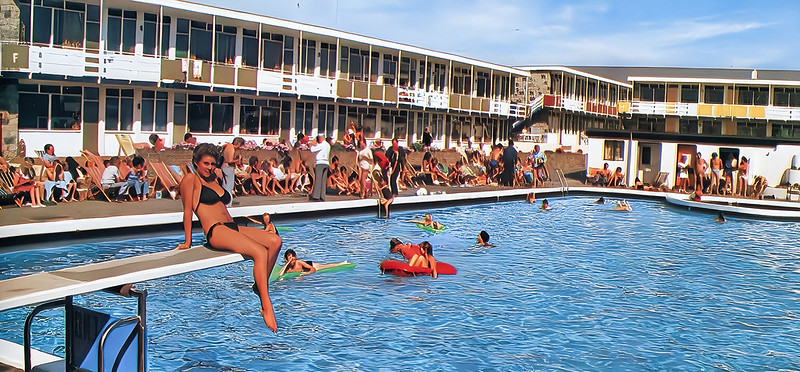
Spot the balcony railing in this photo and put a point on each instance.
(715, 110)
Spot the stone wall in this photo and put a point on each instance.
(9, 122)
(538, 84)
(9, 22)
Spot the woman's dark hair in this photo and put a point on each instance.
(186, 137)
(484, 236)
(72, 167)
(137, 161)
(206, 149)
(393, 243)
(427, 248)
(253, 160)
(427, 156)
(153, 138)
(289, 252)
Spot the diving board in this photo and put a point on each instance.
(46, 286)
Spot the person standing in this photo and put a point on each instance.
(396, 156)
(427, 139)
(322, 151)
(365, 161)
(509, 159)
(716, 171)
(228, 165)
(538, 160)
(700, 167)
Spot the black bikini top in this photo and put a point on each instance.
(210, 197)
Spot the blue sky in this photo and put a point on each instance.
(715, 33)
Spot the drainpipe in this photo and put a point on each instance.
(628, 175)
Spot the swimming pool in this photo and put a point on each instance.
(580, 287)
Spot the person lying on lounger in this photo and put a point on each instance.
(428, 221)
(306, 267)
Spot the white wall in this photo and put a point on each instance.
(66, 143)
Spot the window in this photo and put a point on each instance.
(400, 125)
(60, 22)
(288, 54)
(370, 117)
(166, 25)
(408, 72)
(753, 95)
(751, 129)
(327, 60)
(482, 86)
(592, 91)
(24, 23)
(249, 48)
(389, 69)
(121, 34)
(354, 64)
(92, 27)
(304, 118)
(373, 67)
(261, 116)
(646, 155)
(714, 94)
(309, 57)
(437, 125)
(654, 125)
(785, 131)
(199, 114)
(119, 109)
(34, 110)
(690, 93)
(221, 114)
(326, 120)
(652, 92)
(200, 40)
(273, 51)
(787, 97)
(154, 111)
(613, 150)
(481, 129)
(225, 44)
(462, 81)
(710, 127)
(387, 123)
(91, 105)
(688, 126)
(182, 39)
(602, 96)
(501, 87)
(149, 34)
(179, 109)
(436, 77)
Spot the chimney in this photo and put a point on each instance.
(754, 75)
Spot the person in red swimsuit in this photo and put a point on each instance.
(203, 195)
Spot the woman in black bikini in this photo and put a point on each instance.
(203, 194)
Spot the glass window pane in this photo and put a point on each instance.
(129, 35)
(65, 112)
(199, 117)
(149, 38)
(248, 120)
(112, 113)
(126, 114)
(41, 25)
(68, 28)
(250, 51)
(200, 44)
(92, 35)
(270, 121)
(113, 35)
(33, 110)
(222, 120)
(165, 31)
(148, 109)
(226, 48)
(161, 115)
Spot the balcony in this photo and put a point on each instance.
(712, 110)
(130, 67)
(59, 61)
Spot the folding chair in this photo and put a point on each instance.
(164, 179)
(96, 174)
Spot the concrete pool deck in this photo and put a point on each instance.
(20, 225)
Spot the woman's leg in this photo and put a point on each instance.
(262, 250)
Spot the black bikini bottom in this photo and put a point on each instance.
(230, 225)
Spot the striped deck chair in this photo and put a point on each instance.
(40, 154)
(7, 194)
(96, 174)
(164, 179)
(94, 160)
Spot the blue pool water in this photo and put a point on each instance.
(579, 288)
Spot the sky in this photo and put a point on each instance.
(677, 33)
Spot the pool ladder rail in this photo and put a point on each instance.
(562, 180)
(79, 320)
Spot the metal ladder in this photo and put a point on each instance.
(69, 308)
(562, 180)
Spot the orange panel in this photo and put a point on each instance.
(455, 101)
(360, 89)
(389, 93)
(466, 102)
(722, 110)
(704, 110)
(14, 57)
(247, 78)
(739, 111)
(171, 70)
(757, 112)
(224, 74)
(344, 88)
(623, 106)
(375, 92)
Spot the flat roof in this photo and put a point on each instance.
(690, 74)
(257, 18)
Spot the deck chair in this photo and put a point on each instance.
(127, 146)
(7, 194)
(165, 181)
(94, 160)
(96, 174)
(40, 154)
(661, 177)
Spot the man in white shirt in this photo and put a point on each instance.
(111, 180)
(322, 151)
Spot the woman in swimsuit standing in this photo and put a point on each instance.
(203, 194)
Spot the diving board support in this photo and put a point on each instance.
(88, 332)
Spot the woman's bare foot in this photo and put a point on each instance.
(269, 318)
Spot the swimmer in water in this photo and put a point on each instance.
(530, 198)
(623, 205)
(483, 239)
(266, 222)
(428, 221)
(408, 250)
(602, 200)
(306, 267)
(545, 205)
(720, 218)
